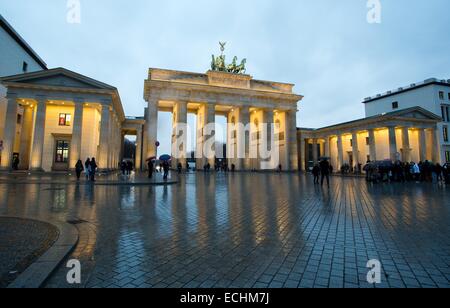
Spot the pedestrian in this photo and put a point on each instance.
(166, 170)
(416, 172)
(79, 168)
(150, 169)
(16, 162)
(129, 167)
(180, 168)
(438, 172)
(280, 168)
(87, 168)
(123, 167)
(93, 167)
(325, 171)
(316, 173)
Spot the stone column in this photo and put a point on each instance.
(372, 145)
(340, 152)
(435, 148)
(326, 146)
(209, 117)
(314, 151)
(422, 145)
(104, 136)
(152, 128)
(25, 138)
(405, 144)
(77, 130)
(39, 134)
(355, 150)
(392, 143)
(291, 141)
(266, 140)
(243, 139)
(9, 132)
(138, 160)
(179, 144)
(303, 154)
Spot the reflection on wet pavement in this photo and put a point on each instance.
(248, 230)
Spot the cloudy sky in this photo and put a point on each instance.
(326, 47)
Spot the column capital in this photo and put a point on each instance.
(79, 100)
(41, 98)
(106, 101)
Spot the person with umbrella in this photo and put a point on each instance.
(165, 165)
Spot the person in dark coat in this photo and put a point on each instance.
(93, 168)
(325, 171)
(129, 167)
(150, 167)
(79, 168)
(166, 168)
(123, 167)
(316, 173)
(87, 165)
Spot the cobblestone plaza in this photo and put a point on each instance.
(247, 230)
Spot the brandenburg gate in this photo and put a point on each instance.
(227, 91)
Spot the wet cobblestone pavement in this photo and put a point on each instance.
(22, 241)
(248, 230)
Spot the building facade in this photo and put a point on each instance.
(239, 98)
(16, 57)
(407, 135)
(55, 117)
(432, 95)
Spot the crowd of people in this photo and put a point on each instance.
(89, 167)
(407, 172)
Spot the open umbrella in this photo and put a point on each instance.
(165, 157)
(151, 158)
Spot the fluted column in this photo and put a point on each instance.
(266, 141)
(152, 128)
(179, 143)
(435, 148)
(25, 137)
(405, 145)
(138, 159)
(303, 154)
(340, 152)
(9, 132)
(77, 130)
(393, 150)
(104, 136)
(243, 139)
(291, 140)
(422, 145)
(39, 134)
(372, 145)
(326, 147)
(314, 151)
(355, 150)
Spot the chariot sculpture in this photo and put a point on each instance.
(219, 63)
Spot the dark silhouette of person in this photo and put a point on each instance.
(79, 168)
(93, 167)
(316, 173)
(87, 165)
(325, 171)
(150, 169)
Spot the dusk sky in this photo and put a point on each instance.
(326, 47)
